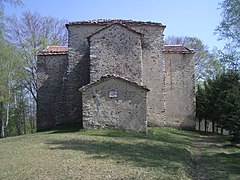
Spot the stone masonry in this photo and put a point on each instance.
(114, 102)
(131, 51)
(179, 87)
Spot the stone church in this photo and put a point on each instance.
(115, 74)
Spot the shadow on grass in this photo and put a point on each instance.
(65, 129)
(230, 146)
(222, 166)
(154, 134)
(169, 158)
(219, 159)
(186, 133)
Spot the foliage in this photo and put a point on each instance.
(229, 57)
(206, 63)
(229, 30)
(2, 3)
(11, 77)
(219, 101)
(20, 40)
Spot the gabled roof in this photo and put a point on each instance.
(108, 77)
(54, 50)
(118, 24)
(177, 49)
(112, 21)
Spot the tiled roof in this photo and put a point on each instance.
(51, 50)
(177, 49)
(112, 21)
(107, 77)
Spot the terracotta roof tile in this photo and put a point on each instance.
(50, 50)
(112, 21)
(177, 49)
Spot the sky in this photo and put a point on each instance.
(193, 18)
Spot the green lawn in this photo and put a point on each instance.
(111, 154)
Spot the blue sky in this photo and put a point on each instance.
(194, 18)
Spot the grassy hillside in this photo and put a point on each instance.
(111, 154)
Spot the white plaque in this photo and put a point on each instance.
(112, 94)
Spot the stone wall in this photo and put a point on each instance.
(152, 66)
(124, 109)
(180, 90)
(78, 73)
(129, 49)
(116, 49)
(50, 93)
(153, 75)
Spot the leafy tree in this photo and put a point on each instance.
(11, 76)
(206, 64)
(229, 106)
(219, 101)
(201, 102)
(8, 70)
(30, 33)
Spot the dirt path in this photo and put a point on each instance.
(202, 143)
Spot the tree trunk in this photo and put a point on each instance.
(205, 124)
(213, 126)
(32, 114)
(7, 119)
(18, 126)
(1, 121)
(199, 125)
(8, 109)
(221, 130)
(24, 124)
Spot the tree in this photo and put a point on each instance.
(206, 64)
(229, 106)
(7, 69)
(11, 76)
(30, 34)
(219, 101)
(2, 3)
(201, 103)
(229, 30)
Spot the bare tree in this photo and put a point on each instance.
(206, 63)
(31, 33)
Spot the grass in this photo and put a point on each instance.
(219, 159)
(110, 154)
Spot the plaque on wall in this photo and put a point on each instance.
(112, 94)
